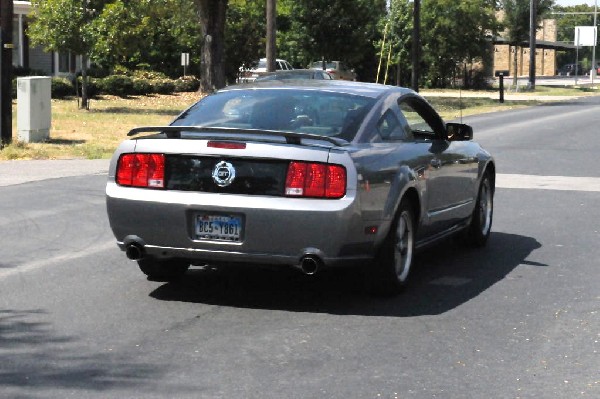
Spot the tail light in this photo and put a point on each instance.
(141, 170)
(316, 180)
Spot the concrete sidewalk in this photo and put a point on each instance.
(18, 172)
(508, 96)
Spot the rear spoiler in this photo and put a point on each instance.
(174, 132)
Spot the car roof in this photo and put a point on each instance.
(373, 90)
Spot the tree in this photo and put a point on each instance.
(396, 30)
(455, 35)
(64, 26)
(244, 36)
(212, 23)
(150, 32)
(583, 15)
(339, 30)
(516, 20)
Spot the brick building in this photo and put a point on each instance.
(546, 48)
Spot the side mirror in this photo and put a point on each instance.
(459, 132)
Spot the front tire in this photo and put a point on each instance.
(393, 264)
(163, 270)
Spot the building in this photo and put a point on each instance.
(545, 53)
(35, 58)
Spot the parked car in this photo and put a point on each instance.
(249, 75)
(570, 70)
(296, 74)
(310, 174)
(336, 69)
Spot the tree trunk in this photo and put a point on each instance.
(212, 25)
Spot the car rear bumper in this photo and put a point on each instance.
(276, 231)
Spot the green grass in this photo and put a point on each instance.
(96, 133)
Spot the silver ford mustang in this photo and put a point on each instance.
(311, 174)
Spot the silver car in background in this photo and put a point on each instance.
(311, 174)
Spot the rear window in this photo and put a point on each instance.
(322, 113)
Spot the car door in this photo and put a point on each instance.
(449, 172)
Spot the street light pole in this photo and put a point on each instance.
(271, 43)
(416, 45)
(6, 26)
(532, 42)
(594, 68)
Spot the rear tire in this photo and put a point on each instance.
(391, 271)
(163, 270)
(479, 230)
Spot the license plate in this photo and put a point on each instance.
(219, 227)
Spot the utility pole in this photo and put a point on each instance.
(594, 68)
(532, 42)
(6, 46)
(416, 44)
(271, 44)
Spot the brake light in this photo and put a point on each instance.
(315, 180)
(141, 170)
(229, 145)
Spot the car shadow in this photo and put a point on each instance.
(444, 277)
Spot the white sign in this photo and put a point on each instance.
(185, 59)
(585, 36)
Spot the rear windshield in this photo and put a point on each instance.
(322, 113)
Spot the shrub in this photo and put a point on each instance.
(150, 75)
(117, 85)
(62, 87)
(142, 86)
(120, 70)
(163, 86)
(187, 84)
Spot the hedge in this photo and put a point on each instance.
(143, 83)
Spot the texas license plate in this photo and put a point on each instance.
(219, 227)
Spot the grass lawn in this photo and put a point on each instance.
(95, 133)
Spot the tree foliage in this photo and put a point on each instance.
(395, 43)
(222, 35)
(244, 36)
(456, 33)
(61, 25)
(566, 24)
(146, 32)
(339, 30)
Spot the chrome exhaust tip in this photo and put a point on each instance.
(310, 264)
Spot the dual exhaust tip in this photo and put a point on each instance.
(309, 264)
(134, 251)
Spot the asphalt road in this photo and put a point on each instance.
(517, 319)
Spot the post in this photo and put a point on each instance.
(532, 42)
(594, 68)
(6, 26)
(500, 75)
(271, 45)
(416, 45)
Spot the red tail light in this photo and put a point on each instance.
(317, 180)
(141, 170)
